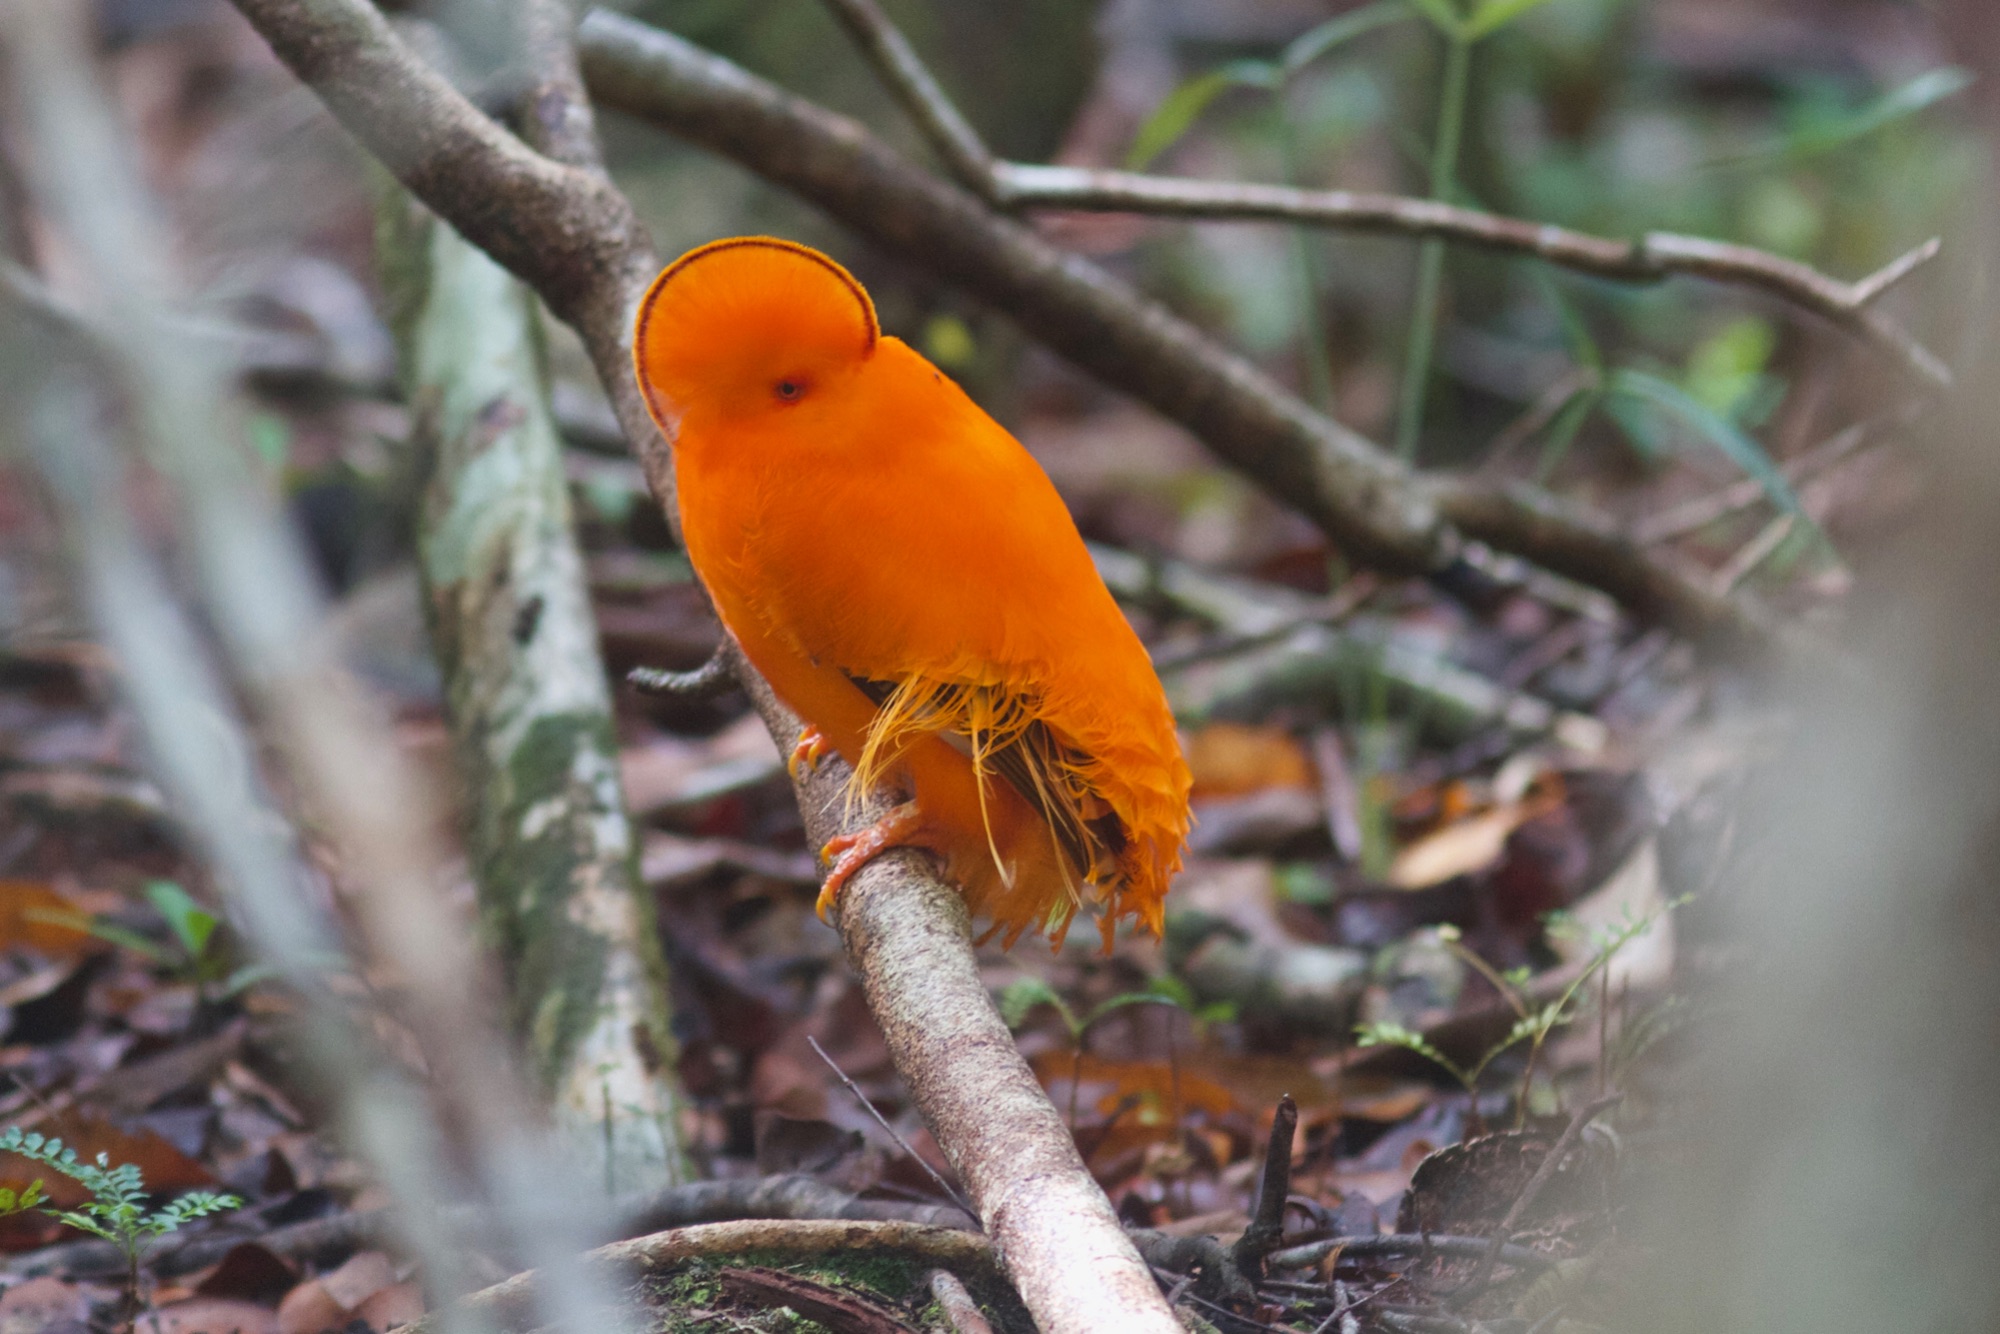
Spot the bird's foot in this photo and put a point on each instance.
(812, 748)
(848, 853)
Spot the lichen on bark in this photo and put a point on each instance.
(551, 846)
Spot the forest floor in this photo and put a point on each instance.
(1455, 869)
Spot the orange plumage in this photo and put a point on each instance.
(905, 576)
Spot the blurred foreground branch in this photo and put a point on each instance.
(573, 239)
(1379, 511)
(1654, 256)
(256, 589)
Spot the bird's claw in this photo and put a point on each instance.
(846, 854)
(811, 749)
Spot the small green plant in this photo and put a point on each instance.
(117, 1209)
(20, 1201)
(199, 952)
(1024, 996)
(1533, 1024)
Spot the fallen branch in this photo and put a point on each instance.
(570, 236)
(1654, 256)
(1399, 1244)
(509, 1307)
(1380, 512)
(326, 1241)
(956, 1304)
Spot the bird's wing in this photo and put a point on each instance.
(941, 571)
(931, 544)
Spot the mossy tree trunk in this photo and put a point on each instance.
(551, 844)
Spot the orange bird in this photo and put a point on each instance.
(905, 576)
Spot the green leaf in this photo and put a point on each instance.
(1316, 41)
(191, 923)
(1725, 368)
(1919, 94)
(1926, 90)
(1562, 431)
(125, 939)
(1150, 996)
(1442, 15)
(1395, 1035)
(1724, 434)
(1022, 996)
(1582, 347)
(84, 1223)
(1493, 15)
(1179, 111)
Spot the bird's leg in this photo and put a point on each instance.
(848, 853)
(812, 748)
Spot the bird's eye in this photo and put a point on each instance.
(790, 391)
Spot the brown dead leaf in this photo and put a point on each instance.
(364, 1275)
(249, 1272)
(1460, 848)
(308, 1309)
(1235, 759)
(42, 1303)
(37, 919)
(669, 771)
(397, 1304)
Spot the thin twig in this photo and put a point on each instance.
(868, 1106)
(1755, 552)
(1342, 1317)
(554, 112)
(910, 82)
(1654, 256)
(1699, 512)
(1403, 1243)
(1538, 415)
(960, 1311)
(714, 677)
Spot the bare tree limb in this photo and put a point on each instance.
(574, 239)
(1570, 541)
(554, 111)
(910, 81)
(1361, 497)
(1381, 513)
(1654, 256)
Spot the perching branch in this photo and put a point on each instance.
(1380, 512)
(570, 236)
(1654, 256)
